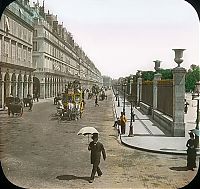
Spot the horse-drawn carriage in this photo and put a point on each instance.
(15, 106)
(71, 105)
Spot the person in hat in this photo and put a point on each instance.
(96, 149)
(123, 121)
(191, 153)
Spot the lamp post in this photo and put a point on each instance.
(118, 103)
(139, 75)
(132, 117)
(124, 85)
(197, 119)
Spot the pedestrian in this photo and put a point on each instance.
(30, 102)
(191, 153)
(117, 124)
(186, 107)
(96, 101)
(123, 122)
(96, 149)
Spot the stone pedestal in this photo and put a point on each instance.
(178, 128)
(157, 77)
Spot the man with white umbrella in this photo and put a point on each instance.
(96, 148)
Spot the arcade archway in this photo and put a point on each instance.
(36, 86)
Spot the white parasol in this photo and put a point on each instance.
(87, 131)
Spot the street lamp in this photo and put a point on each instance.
(124, 85)
(196, 130)
(132, 116)
(118, 103)
(139, 75)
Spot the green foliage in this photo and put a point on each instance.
(166, 74)
(147, 75)
(192, 76)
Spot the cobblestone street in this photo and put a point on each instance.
(39, 152)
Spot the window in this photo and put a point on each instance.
(13, 50)
(35, 33)
(29, 54)
(24, 53)
(7, 46)
(20, 12)
(19, 51)
(35, 46)
(7, 24)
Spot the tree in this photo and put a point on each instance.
(166, 74)
(192, 76)
(147, 75)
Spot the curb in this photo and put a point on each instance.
(155, 151)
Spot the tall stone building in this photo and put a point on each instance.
(57, 57)
(38, 55)
(107, 81)
(16, 69)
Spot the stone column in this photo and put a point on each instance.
(16, 86)
(31, 86)
(9, 84)
(20, 92)
(51, 88)
(46, 90)
(157, 77)
(42, 90)
(48, 86)
(178, 128)
(139, 90)
(2, 91)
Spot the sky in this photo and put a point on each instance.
(123, 36)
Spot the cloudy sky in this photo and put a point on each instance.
(123, 36)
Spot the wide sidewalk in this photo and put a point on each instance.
(147, 135)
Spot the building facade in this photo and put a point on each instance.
(107, 81)
(57, 58)
(16, 69)
(38, 55)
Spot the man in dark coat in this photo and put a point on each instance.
(96, 148)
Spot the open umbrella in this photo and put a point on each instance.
(87, 131)
(195, 131)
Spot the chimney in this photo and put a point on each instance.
(60, 29)
(55, 26)
(49, 18)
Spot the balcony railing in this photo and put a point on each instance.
(19, 62)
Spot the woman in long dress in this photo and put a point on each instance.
(191, 153)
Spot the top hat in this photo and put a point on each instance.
(95, 135)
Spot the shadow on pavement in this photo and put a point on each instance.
(71, 177)
(179, 168)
